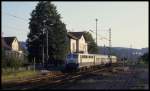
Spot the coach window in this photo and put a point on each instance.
(85, 56)
(82, 56)
(88, 56)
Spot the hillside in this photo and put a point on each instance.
(130, 53)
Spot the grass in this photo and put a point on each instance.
(140, 84)
(18, 75)
(142, 64)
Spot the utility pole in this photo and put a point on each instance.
(110, 44)
(123, 62)
(43, 51)
(96, 30)
(47, 48)
(131, 54)
(43, 42)
(104, 49)
(34, 64)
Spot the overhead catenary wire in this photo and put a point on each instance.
(99, 35)
(16, 23)
(7, 27)
(101, 38)
(14, 28)
(17, 17)
(19, 31)
(20, 18)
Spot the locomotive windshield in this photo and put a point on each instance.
(72, 56)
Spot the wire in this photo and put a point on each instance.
(14, 27)
(16, 16)
(99, 35)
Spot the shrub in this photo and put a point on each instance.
(145, 58)
(12, 62)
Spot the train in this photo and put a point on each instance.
(79, 60)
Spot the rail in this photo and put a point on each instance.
(50, 81)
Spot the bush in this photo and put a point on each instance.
(4, 63)
(145, 58)
(15, 63)
(12, 62)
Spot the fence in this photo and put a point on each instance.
(10, 53)
(26, 68)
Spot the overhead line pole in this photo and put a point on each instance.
(44, 30)
(43, 51)
(96, 30)
(110, 44)
(131, 53)
(47, 48)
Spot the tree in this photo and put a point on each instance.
(46, 18)
(145, 57)
(114, 53)
(92, 47)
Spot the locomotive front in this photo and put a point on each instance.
(72, 61)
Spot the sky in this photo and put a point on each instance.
(128, 21)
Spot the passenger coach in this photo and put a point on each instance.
(77, 60)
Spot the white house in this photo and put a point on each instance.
(11, 46)
(77, 42)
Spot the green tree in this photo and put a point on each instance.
(46, 18)
(92, 47)
(145, 57)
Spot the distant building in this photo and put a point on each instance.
(77, 43)
(11, 47)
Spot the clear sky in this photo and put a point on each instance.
(127, 20)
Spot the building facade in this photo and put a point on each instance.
(11, 47)
(77, 42)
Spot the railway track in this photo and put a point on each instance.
(71, 79)
(52, 81)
